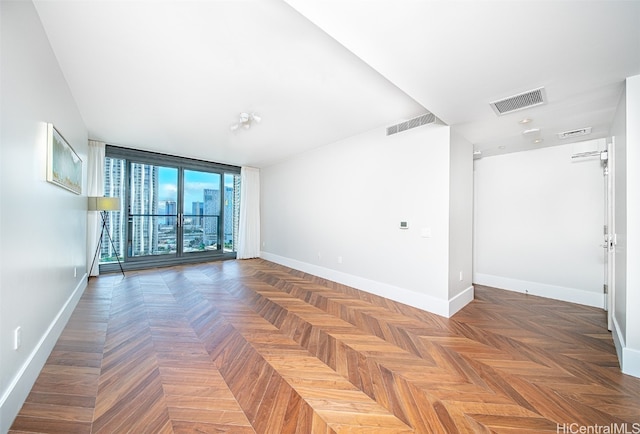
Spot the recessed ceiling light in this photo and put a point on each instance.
(538, 141)
(525, 121)
(501, 147)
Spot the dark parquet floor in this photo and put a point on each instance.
(251, 346)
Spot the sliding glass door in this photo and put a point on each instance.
(200, 215)
(175, 210)
(152, 211)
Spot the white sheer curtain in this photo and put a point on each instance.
(95, 187)
(249, 231)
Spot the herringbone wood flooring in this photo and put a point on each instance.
(250, 346)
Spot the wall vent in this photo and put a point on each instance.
(521, 101)
(427, 118)
(574, 133)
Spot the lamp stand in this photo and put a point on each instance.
(105, 229)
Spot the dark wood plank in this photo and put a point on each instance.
(251, 346)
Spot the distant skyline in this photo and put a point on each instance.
(195, 184)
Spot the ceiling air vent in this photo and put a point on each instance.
(428, 118)
(521, 101)
(574, 133)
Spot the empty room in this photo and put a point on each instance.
(283, 216)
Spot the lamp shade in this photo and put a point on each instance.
(98, 203)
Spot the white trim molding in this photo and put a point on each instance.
(445, 308)
(629, 358)
(571, 295)
(630, 362)
(618, 339)
(13, 399)
(461, 300)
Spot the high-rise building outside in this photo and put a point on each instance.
(114, 184)
(144, 201)
(228, 214)
(171, 210)
(197, 209)
(211, 212)
(236, 210)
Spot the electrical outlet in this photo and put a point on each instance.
(17, 338)
(461, 276)
(75, 271)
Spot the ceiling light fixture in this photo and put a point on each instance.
(539, 140)
(245, 121)
(525, 121)
(531, 131)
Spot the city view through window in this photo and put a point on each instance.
(169, 211)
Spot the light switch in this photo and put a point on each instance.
(404, 225)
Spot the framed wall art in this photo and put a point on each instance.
(64, 166)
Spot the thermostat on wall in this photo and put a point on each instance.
(404, 225)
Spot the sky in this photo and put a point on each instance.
(194, 184)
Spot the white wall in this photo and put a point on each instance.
(626, 129)
(539, 223)
(619, 133)
(346, 200)
(42, 226)
(633, 214)
(460, 215)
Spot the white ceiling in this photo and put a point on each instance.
(173, 76)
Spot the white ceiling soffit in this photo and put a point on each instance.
(172, 76)
(456, 57)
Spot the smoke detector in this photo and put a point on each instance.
(574, 133)
(520, 101)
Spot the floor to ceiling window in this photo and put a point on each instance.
(173, 209)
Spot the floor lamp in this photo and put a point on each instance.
(104, 204)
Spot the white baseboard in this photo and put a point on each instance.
(425, 302)
(629, 358)
(17, 391)
(618, 339)
(631, 362)
(571, 295)
(461, 300)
